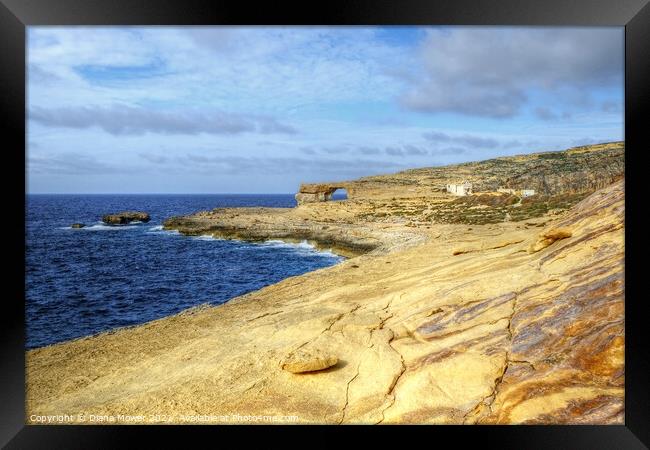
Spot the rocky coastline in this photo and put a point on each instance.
(445, 313)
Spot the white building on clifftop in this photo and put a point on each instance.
(464, 188)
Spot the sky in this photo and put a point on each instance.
(263, 109)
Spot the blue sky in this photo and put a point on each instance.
(262, 109)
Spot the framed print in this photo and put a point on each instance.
(300, 218)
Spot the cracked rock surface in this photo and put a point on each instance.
(423, 333)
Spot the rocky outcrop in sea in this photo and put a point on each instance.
(125, 217)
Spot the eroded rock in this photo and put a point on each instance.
(308, 360)
(547, 237)
(125, 217)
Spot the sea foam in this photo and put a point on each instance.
(205, 237)
(101, 226)
(303, 247)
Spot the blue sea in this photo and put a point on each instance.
(84, 281)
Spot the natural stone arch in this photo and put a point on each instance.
(321, 192)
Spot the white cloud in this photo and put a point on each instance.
(127, 120)
(490, 72)
(270, 68)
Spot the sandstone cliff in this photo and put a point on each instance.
(510, 322)
(576, 170)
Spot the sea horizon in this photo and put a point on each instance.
(161, 193)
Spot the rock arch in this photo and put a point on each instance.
(321, 192)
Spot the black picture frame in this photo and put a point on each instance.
(16, 15)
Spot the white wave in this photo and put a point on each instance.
(166, 232)
(100, 226)
(160, 231)
(204, 237)
(304, 245)
(329, 253)
(303, 248)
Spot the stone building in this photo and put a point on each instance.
(464, 188)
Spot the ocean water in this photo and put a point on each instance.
(83, 281)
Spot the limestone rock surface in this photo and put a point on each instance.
(495, 335)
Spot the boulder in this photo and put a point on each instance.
(555, 234)
(547, 237)
(77, 225)
(308, 360)
(125, 217)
